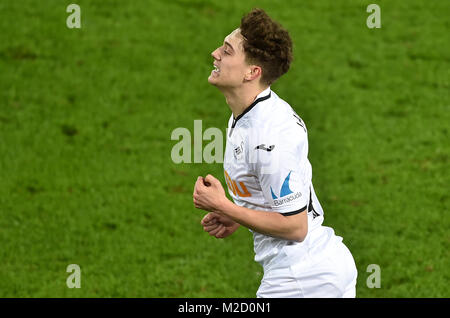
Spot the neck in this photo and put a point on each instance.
(238, 99)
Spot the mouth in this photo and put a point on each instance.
(216, 69)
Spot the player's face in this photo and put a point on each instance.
(229, 62)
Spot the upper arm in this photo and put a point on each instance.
(284, 173)
(299, 225)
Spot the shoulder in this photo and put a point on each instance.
(276, 119)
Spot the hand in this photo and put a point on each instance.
(218, 225)
(209, 197)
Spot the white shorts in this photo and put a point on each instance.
(331, 275)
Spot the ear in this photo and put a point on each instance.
(253, 73)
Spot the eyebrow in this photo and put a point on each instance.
(227, 43)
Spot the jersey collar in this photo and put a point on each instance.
(265, 94)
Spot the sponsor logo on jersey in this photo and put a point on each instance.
(240, 191)
(286, 194)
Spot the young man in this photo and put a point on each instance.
(268, 173)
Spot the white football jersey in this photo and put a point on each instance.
(267, 168)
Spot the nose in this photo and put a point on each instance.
(215, 54)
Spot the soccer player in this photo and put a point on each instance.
(268, 173)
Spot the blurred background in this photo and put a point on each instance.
(86, 116)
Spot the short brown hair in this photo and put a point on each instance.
(266, 44)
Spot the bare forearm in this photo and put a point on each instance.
(264, 222)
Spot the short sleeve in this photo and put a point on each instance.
(284, 171)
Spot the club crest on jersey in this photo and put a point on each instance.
(238, 151)
(286, 194)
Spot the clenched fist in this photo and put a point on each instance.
(218, 226)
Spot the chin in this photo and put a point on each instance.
(212, 81)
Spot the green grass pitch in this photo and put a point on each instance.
(86, 116)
